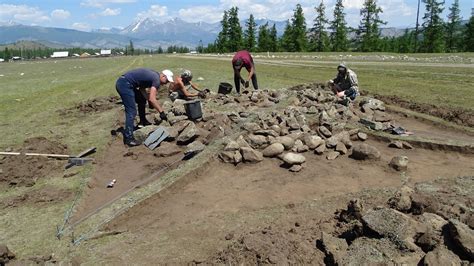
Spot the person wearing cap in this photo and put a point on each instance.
(132, 88)
(345, 85)
(182, 85)
(244, 59)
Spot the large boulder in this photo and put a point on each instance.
(312, 141)
(230, 157)
(334, 248)
(293, 158)
(401, 201)
(399, 163)
(167, 149)
(195, 147)
(257, 141)
(441, 256)
(463, 237)
(143, 133)
(286, 141)
(250, 155)
(273, 150)
(365, 152)
(188, 134)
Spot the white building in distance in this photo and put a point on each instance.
(60, 54)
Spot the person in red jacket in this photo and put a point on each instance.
(244, 59)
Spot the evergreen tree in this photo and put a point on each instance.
(339, 29)
(235, 30)
(131, 48)
(249, 34)
(433, 27)
(7, 54)
(286, 40)
(222, 42)
(298, 24)
(263, 38)
(273, 39)
(369, 31)
(469, 36)
(319, 40)
(453, 27)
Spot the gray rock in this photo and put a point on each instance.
(441, 256)
(230, 157)
(389, 223)
(195, 147)
(267, 132)
(312, 141)
(324, 131)
(175, 119)
(371, 124)
(399, 163)
(257, 141)
(143, 133)
(362, 136)
(320, 150)
(250, 155)
(396, 144)
(341, 148)
(373, 104)
(334, 248)
(296, 168)
(251, 127)
(178, 108)
(292, 123)
(365, 152)
(276, 128)
(287, 142)
(273, 150)
(312, 110)
(173, 133)
(300, 147)
(180, 126)
(188, 134)
(293, 158)
(407, 145)
(332, 142)
(332, 155)
(5, 255)
(401, 201)
(463, 237)
(242, 142)
(232, 146)
(167, 149)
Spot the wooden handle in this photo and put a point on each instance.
(38, 154)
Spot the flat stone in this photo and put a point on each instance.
(167, 149)
(175, 119)
(396, 144)
(256, 141)
(324, 131)
(273, 150)
(441, 256)
(377, 126)
(373, 104)
(296, 168)
(172, 133)
(334, 248)
(399, 163)
(230, 157)
(292, 123)
(141, 134)
(332, 142)
(332, 155)
(242, 142)
(365, 152)
(463, 237)
(388, 223)
(251, 127)
(267, 132)
(293, 158)
(188, 134)
(250, 155)
(401, 201)
(320, 150)
(195, 147)
(362, 136)
(407, 145)
(232, 146)
(286, 141)
(312, 110)
(341, 148)
(312, 141)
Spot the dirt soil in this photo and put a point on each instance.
(26, 170)
(38, 197)
(95, 105)
(460, 116)
(193, 219)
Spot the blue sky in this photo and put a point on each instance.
(94, 14)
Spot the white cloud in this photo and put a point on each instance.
(60, 14)
(81, 26)
(22, 13)
(155, 11)
(110, 12)
(103, 3)
(201, 13)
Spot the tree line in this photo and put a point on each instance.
(436, 35)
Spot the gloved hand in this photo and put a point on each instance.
(163, 116)
(247, 84)
(242, 81)
(202, 94)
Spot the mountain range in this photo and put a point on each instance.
(146, 33)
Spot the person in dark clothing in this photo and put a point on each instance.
(244, 59)
(345, 85)
(131, 87)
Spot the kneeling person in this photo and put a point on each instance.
(180, 88)
(345, 85)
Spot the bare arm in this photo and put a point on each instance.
(250, 72)
(185, 92)
(194, 86)
(153, 101)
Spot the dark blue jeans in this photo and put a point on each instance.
(127, 93)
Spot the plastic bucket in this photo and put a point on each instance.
(225, 88)
(193, 109)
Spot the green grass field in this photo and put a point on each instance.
(31, 93)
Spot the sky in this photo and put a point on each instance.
(103, 14)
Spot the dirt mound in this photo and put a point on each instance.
(457, 115)
(25, 170)
(41, 196)
(95, 105)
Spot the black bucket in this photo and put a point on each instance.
(225, 88)
(193, 109)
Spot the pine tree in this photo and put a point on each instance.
(298, 24)
(319, 40)
(469, 36)
(339, 29)
(222, 42)
(235, 30)
(131, 49)
(453, 37)
(273, 39)
(433, 27)
(249, 35)
(369, 31)
(263, 38)
(286, 40)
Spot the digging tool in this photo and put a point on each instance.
(49, 155)
(79, 159)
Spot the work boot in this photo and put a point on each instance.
(143, 123)
(132, 142)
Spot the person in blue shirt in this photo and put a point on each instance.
(131, 87)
